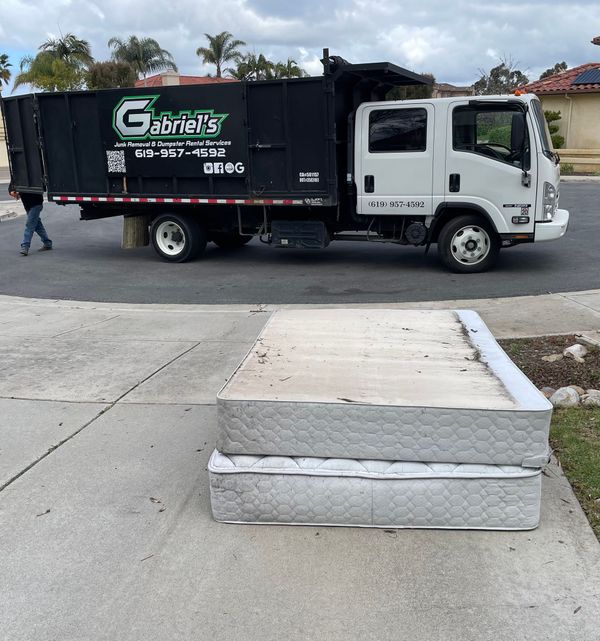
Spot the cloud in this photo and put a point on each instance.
(451, 40)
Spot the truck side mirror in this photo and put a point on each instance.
(517, 134)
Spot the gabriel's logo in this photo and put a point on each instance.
(134, 118)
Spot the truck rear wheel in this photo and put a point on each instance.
(468, 244)
(177, 238)
(230, 240)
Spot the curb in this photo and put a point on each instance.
(8, 211)
(580, 179)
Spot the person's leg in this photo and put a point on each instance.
(33, 218)
(41, 232)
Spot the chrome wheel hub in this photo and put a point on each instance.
(170, 238)
(470, 245)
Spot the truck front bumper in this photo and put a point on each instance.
(554, 229)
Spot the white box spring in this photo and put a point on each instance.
(430, 385)
(392, 494)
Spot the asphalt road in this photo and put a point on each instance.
(88, 264)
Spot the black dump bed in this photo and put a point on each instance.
(279, 139)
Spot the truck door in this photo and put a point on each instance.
(394, 149)
(488, 150)
(23, 143)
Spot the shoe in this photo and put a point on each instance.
(45, 248)
(24, 251)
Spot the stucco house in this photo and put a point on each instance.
(576, 94)
(446, 90)
(170, 78)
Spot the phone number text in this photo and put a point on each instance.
(413, 204)
(179, 153)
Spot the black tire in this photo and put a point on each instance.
(177, 238)
(230, 240)
(468, 244)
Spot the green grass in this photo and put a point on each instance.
(575, 437)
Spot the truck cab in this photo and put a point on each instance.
(472, 174)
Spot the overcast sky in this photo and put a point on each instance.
(450, 38)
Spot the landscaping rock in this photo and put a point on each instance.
(565, 397)
(591, 398)
(578, 389)
(552, 358)
(547, 391)
(576, 352)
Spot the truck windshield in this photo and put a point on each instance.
(542, 126)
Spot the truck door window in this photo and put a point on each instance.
(542, 125)
(489, 132)
(393, 130)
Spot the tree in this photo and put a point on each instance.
(258, 67)
(551, 117)
(559, 67)
(109, 75)
(254, 67)
(5, 72)
(74, 51)
(221, 48)
(48, 73)
(502, 79)
(239, 72)
(288, 69)
(412, 92)
(143, 55)
(59, 65)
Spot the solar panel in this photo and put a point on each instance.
(591, 76)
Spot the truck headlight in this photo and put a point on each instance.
(550, 201)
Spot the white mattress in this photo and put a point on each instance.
(367, 493)
(420, 385)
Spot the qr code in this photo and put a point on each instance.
(116, 161)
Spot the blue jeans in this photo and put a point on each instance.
(34, 224)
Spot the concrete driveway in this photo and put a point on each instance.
(108, 420)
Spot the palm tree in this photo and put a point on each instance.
(252, 67)
(144, 55)
(49, 73)
(239, 72)
(221, 48)
(70, 49)
(5, 72)
(289, 69)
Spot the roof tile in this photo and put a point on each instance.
(563, 82)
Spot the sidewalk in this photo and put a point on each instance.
(108, 420)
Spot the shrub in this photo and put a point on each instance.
(566, 168)
(551, 117)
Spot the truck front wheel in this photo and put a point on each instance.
(468, 244)
(177, 238)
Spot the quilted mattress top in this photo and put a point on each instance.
(418, 358)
